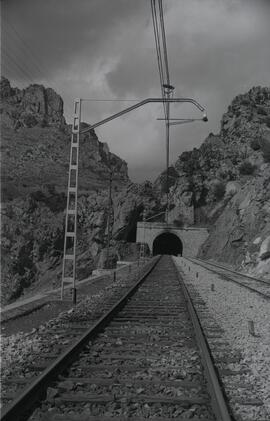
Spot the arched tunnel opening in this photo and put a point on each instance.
(167, 243)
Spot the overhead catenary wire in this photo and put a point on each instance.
(35, 62)
(24, 67)
(164, 42)
(24, 73)
(158, 49)
(164, 76)
(22, 62)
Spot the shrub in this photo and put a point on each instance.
(172, 177)
(255, 144)
(245, 101)
(267, 121)
(219, 190)
(178, 223)
(266, 150)
(261, 110)
(29, 120)
(247, 168)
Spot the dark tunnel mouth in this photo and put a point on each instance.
(167, 243)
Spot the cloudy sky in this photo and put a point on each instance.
(104, 49)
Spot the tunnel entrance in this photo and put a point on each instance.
(167, 243)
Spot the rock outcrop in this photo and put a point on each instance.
(224, 185)
(30, 107)
(35, 148)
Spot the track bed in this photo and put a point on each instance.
(144, 364)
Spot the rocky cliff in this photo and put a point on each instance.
(30, 107)
(225, 185)
(35, 155)
(36, 144)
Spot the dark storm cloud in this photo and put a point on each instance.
(211, 43)
(105, 49)
(61, 31)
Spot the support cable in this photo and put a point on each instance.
(158, 50)
(166, 88)
(35, 59)
(23, 71)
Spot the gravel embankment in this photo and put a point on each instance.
(18, 349)
(233, 307)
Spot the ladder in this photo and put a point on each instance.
(69, 255)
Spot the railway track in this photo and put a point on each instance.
(145, 358)
(258, 286)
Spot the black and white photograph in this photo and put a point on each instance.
(135, 210)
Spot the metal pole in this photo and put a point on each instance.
(168, 90)
(70, 239)
(140, 104)
(167, 159)
(142, 246)
(144, 219)
(109, 217)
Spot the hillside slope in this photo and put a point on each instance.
(35, 157)
(225, 185)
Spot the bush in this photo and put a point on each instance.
(266, 150)
(172, 177)
(247, 168)
(255, 144)
(29, 120)
(267, 121)
(219, 190)
(261, 110)
(178, 223)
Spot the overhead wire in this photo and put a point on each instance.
(164, 42)
(9, 52)
(30, 69)
(163, 68)
(35, 61)
(22, 70)
(158, 49)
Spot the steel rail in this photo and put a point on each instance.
(219, 404)
(244, 275)
(36, 390)
(204, 264)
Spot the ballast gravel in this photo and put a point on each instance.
(18, 350)
(234, 307)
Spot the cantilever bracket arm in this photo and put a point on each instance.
(139, 104)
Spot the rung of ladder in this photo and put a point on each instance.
(72, 189)
(71, 211)
(73, 166)
(70, 234)
(69, 256)
(68, 280)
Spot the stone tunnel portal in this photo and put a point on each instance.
(167, 243)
